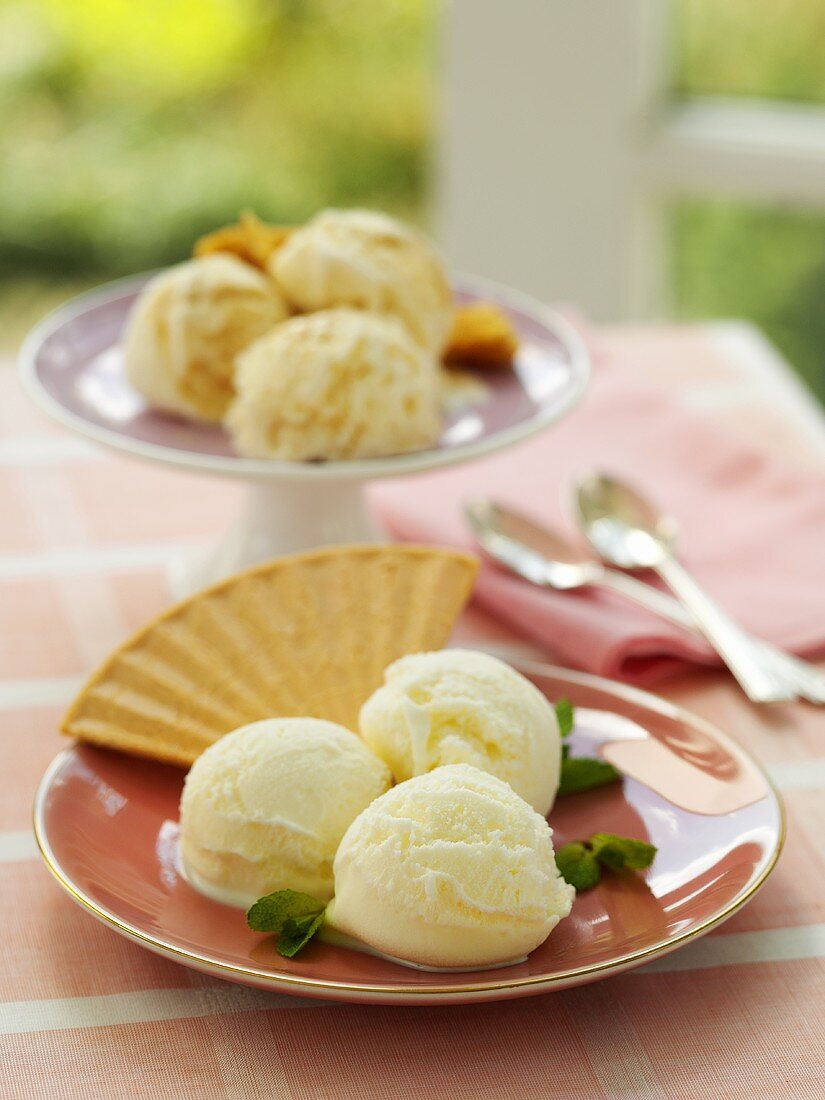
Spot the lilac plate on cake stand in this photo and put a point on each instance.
(73, 367)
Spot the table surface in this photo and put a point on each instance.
(84, 544)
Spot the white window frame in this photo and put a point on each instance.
(560, 148)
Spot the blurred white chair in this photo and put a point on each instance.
(560, 147)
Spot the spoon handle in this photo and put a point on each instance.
(734, 646)
(646, 596)
(806, 678)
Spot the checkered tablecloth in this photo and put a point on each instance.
(85, 541)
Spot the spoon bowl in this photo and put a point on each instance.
(626, 530)
(534, 552)
(546, 558)
(622, 526)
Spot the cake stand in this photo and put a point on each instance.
(73, 367)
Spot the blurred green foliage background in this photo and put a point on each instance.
(735, 259)
(128, 127)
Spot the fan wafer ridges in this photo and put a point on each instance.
(309, 634)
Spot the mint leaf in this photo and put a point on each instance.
(580, 863)
(564, 716)
(578, 866)
(621, 852)
(297, 932)
(583, 773)
(270, 913)
(579, 773)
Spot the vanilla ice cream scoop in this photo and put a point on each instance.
(458, 706)
(188, 325)
(368, 260)
(450, 869)
(335, 385)
(265, 807)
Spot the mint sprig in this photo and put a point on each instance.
(581, 862)
(578, 866)
(579, 773)
(622, 853)
(297, 932)
(564, 716)
(583, 773)
(294, 916)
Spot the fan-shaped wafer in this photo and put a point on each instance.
(309, 634)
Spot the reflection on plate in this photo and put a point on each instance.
(107, 828)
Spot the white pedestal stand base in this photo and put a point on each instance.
(280, 517)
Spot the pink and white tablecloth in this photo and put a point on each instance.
(85, 539)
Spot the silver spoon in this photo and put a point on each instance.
(539, 555)
(804, 677)
(545, 558)
(627, 531)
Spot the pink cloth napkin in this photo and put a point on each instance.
(752, 529)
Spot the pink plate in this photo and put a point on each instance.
(107, 828)
(73, 367)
